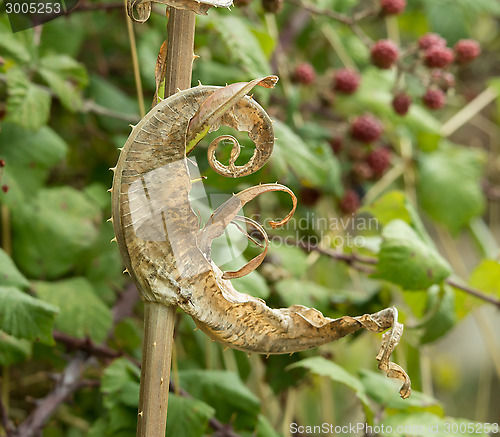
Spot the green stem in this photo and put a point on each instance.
(155, 370)
(135, 64)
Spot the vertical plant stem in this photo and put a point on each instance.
(135, 64)
(180, 56)
(155, 370)
(159, 319)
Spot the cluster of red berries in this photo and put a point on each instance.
(369, 161)
(437, 56)
(368, 166)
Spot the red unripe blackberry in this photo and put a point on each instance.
(346, 81)
(379, 160)
(362, 171)
(272, 6)
(304, 73)
(350, 201)
(438, 57)
(434, 98)
(5, 188)
(466, 50)
(393, 7)
(366, 128)
(384, 53)
(429, 40)
(336, 144)
(401, 103)
(443, 79)
(2, 163)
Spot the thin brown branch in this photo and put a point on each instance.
(353, 259)
(349, 258)
(67, 383)
(352, 22)
(473, 292)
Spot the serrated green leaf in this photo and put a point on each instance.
(66, 77)
(323, 367)
(9, 273)
(53, 231)
(13, 350)
(187, 417)
(28, 105)
(28, 156)
(448, 185)
(406, 260)
(225, 392)
(82, 314)
(24, 316)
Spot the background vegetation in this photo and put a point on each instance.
(70, 321)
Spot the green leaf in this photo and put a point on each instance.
(384, 391)
(82, 314)
(292, 154)
(390, 206)
(264, 428)
(323, 367)
(120, 384)
(13, 350)
(9, 274)
(253, 284)
(28, 156)
(406, 260)
(307, 293)
(66, 77)
(441, 307)
(225, 392)
(486, 277)
(187, 417)
(242, 44)
(109, 96)
(24, 316)
(52, 231)
(449, 185)
(13, 46)
(28, 105)
(425, 424)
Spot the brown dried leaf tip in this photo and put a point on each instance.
(169, 256)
